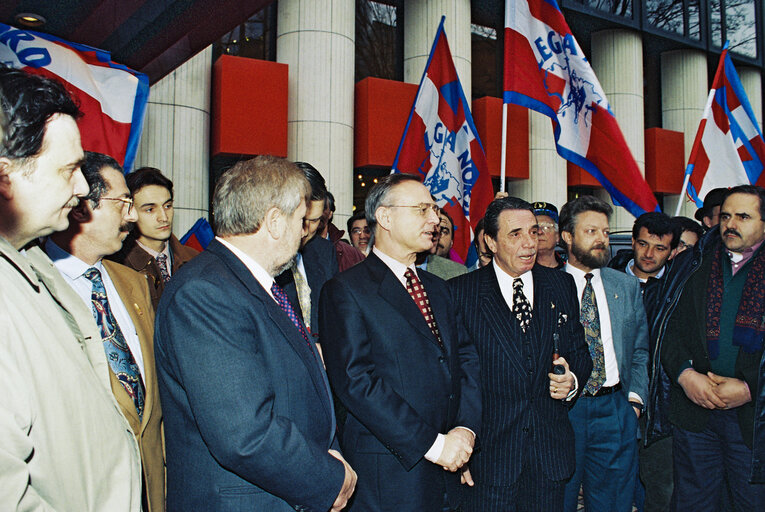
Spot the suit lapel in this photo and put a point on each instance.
(545, 308)
(616, 305)
(498, 314)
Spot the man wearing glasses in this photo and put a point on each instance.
(119, 300)
(547, 219)
(401, 362)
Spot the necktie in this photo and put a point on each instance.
(121, 360)
(284, 302)
(420, 297)
(162, 264)
(304, 295)
(521, 306)
(591, 323)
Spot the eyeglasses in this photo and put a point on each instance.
(421, 208)
(358, 231)
(548, 226)
(124, 200)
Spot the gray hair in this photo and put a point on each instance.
(250, 188)
(378, 196)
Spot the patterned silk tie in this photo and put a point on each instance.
(521, 306)
(304, 295)
(284, 302)
(162, 264)
(121, 360)
(420, 297)
(591, 322)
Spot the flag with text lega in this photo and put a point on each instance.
(728, 149)
(545, 70)
(111, 96)
(441, 145)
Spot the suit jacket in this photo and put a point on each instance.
(400, 388)
(320, 265)
(444, 267)
(629, 328)
(133, 256)
(247, 410)
(133, 290)
(514, 374)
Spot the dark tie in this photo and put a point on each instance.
(284, 302)
(521, 305)
(420, 297)
(591, 322)
(162, 264)
(121, 360)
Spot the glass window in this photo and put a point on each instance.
(694, 20)
(665, 14)
(615, 7)
(376, 40)
(486, 77)
(255, 38)
(740, 27)
(715, 23)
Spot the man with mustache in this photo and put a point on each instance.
(712, 353)
(64, 443)
(605, 418)
(119, 299)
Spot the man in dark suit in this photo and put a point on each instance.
(97, 227)
(401, 362)
(605, 418)
(527, 447)
(248, 416)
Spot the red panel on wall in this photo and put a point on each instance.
(578, 177)
(664, 160)
(487, 114)
(249, 107)
(382, 110)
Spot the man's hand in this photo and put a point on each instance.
(458, 446)
(700, 389)
(501, 195)
(732, 391)
(466, 478)
(561, 385)
(349, 484)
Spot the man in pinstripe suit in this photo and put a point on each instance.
(518, 315)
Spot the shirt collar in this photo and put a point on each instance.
(579, 274)
(398, 268)
(506, 279)
(642, 280)
(745, 255)
(153, 253)
(69, 265)
(265, 279)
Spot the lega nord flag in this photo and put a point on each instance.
(728, 149)
(111, 96)
(441, 145)
(545, 70)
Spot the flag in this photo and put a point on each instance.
(728, 149)
(199, 236)
(441, 145)
(546, 71)
(111, 96)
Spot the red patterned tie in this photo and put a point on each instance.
(420, 297)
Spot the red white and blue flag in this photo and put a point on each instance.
(728, 149)
(441, 145)
(111, 96)
(546, 70)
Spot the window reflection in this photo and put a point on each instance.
(255, 38)
(483, 64)
(375, 40)
(666, 15)
(740, 27)
(615, 7)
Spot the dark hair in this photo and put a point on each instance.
(443, 212)
(581, 204)
(379, 193)
(356, 216)
(753, 190)
(329, 202)
(27, 103)
(146, 176)
(687, 224)
(659, 224)
(478, 228)
(496, 207)
(91, 169)
(314, 177)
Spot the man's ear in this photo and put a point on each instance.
(6, 187)
(491, 244)
(274, 222)
(566, 236)
(382, 215)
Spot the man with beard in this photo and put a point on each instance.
(121, 304)
(359, 232)
(248, 411)
(605, 418)
(712, 353)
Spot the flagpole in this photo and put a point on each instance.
(504, 148)
(682, 194)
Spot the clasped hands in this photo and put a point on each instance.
(458, 447)
(713, 391)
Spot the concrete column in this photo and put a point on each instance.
(751, 79)
(684, 91)
(421, 19)
(617, 59)
(316, 38)
(176, 137)
(547, 170)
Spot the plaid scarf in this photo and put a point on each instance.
(749, 329)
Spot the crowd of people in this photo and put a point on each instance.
(287, 367)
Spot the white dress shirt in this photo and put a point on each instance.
(72, 269)
(506, 285)
(259, 273)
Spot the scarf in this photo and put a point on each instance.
(749, 328)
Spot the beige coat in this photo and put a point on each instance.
(64, 443)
